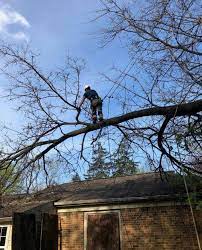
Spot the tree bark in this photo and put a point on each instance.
(172, 111)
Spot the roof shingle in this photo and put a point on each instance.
(137, 186)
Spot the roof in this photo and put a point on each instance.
(132, 188)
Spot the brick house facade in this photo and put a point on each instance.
(166, 227)
(132, 212)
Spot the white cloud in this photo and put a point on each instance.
(9, 16)
(20, 36)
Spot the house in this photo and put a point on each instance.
(142, 211)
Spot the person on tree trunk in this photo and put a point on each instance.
(96, 103)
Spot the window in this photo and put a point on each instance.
(3, 232)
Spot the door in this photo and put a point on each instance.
(103, 231)
(29, 234)
(24, 232)
(49, 232)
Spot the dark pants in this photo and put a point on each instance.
(96, 107)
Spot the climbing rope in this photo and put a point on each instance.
(120, 78)
(190, 205)
(192, 213)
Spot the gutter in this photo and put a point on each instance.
(92, 202)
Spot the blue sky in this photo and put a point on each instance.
(55, 29)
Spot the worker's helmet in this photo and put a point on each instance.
(87, 87)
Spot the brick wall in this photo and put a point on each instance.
(155, 228)
(168, 228)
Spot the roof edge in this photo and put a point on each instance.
(63, 203)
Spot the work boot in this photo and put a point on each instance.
(100, 117)
(94, 119)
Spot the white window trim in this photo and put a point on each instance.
(99, 212)
(8, 237)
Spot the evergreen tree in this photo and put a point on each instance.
(76, 177)
(123, 160)
(100, 166)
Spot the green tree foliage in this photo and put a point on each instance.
(9, 180)
(123, 163)
(100, 166)
(194, 184)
